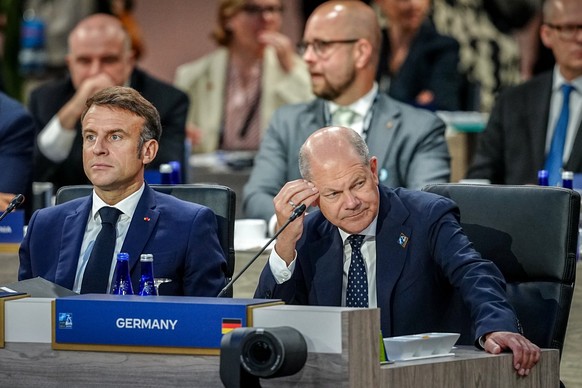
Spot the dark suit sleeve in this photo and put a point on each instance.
(205, 265)
(16, 147)
(478, 281)
(488, 161)
(290, 291)
(444, 80)
(25, 269)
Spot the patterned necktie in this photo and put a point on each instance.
(344, 117)
(555, 158)
(96, 275)
(357, 289)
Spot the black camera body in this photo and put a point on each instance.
(249, 353)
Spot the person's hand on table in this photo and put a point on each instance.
(525, 353)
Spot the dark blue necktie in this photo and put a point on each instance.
(554, 160)
(357, 289)
(96, 275)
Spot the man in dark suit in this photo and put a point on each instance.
(519, 134)
(16, 148)
(120, 131)
(99, 56)
(341, 42)
(371, 246)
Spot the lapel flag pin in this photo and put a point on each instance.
(146, 219)
(403, 240)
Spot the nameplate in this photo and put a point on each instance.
(12, 227)
(164, 324)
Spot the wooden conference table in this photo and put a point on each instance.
(31, 364)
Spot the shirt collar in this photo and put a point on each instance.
(369, 232)
(127, 205)
(361, 106)
(559, 80)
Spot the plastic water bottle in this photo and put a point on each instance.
(543, 178)
(176, 172)
(166, 174)
(122, 281)
(568, 180)
(32, 54)
(146, 282)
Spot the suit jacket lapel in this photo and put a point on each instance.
(391, 253)
(315, 117)
(142, 225)
(385, 121)
(70, 245)
(328, 252)
(538, 112)
(575, 161)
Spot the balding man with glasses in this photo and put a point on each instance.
(340, 46)
(537, 125)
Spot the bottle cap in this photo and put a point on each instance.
(123, 256)
(146, 257)
(567, 175)
(165, 168)
(543, 174)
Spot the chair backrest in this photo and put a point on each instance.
(221, 199)
(531, 234)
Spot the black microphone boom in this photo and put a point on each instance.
(296, 213)
(16, 201)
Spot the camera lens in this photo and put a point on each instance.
(262, 354)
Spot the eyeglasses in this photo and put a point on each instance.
(566, 31)
(256, 10)
(321, 47)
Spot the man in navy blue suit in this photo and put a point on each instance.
(413, 250)
(120, 131)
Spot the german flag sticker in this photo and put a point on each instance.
(229, 324)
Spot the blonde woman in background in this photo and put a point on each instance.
(235, 89)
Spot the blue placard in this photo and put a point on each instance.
(164, 321)
(11, 227)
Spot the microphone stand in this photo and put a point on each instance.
(16, 201)
(296, 213)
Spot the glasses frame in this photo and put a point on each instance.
(256, 10)
(320, 46)
(566, 31)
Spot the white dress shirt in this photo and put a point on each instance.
(56, 142)
(127, 207)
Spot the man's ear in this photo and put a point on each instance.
(363, 50)
(149, 151)
(374, 168)
(545, 35)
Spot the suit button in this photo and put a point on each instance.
(268, 294)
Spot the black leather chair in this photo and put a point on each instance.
(221, 199)
(531, 234)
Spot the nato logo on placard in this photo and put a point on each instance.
(65, 320)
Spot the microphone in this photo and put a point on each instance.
(296, 213)
(16, 201)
